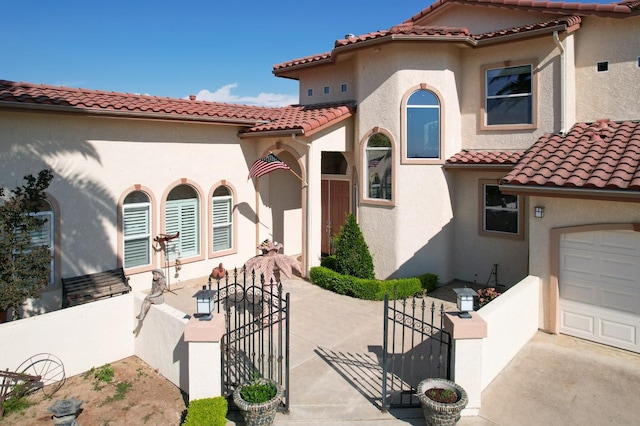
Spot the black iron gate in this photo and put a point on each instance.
(414, 349)
(257, 332)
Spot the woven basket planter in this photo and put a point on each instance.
(438, 413)
(261, 414)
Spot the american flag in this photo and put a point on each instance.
(266, 165)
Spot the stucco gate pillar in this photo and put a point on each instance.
(205, 371)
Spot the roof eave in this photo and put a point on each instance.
(126, 114)
(471, 167)
(585, 193)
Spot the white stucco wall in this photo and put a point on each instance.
(96, 161)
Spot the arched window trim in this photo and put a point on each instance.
(233, 221)
(364, 175)
(152, 229)
(404, 159)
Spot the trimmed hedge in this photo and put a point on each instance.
(207, 411)
(429, 282)
(361, 288)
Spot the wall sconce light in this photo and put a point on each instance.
(538, 211)
(204, 304)
(464, 301)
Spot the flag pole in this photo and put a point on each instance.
(296, 175)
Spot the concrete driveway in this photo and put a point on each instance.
(336, 375)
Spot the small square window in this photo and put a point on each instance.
(343, 88)
(638, 61)
(309, 92)
(602, 66)
(326, 90)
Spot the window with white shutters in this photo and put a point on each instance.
(136, 230)
(222, 219)
(182, 215)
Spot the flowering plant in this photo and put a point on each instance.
(486, 295)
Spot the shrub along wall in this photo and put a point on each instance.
(361, 288)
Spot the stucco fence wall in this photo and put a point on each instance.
(512, 320)
(98, 333)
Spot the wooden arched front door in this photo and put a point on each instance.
(335, 208)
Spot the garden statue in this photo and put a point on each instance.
(271, 262)
(218, 272)
(156, 297)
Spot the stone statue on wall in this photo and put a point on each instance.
(156, 297)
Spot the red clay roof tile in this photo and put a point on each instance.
(485, 158)
(599, 155)
(304, 119)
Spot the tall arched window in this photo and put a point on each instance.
(44, 235)
(222, 219)
(182, 214)
(136, 229)
(379, 166)
(423, 126)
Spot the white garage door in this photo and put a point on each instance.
(600, 287)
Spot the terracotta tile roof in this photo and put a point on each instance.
(256, 120)
(620, 10)
(600, 155)
(468, 158)
(71, 99)
(410, 31)
(305, 119)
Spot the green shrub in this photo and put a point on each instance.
(352, 253)
(367, 289)
(207, 412)
(429, 282)
(329, 262)
(258, 391)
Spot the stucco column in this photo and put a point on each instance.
(203, 338)
(467, 335)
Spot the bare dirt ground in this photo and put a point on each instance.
(151, 399)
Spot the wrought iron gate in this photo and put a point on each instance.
(257, 332)
(414, 349)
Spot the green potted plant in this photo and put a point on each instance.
(442, 401)
(258, 400)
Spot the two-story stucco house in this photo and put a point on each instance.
(482, 141)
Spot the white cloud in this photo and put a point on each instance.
(224, 94)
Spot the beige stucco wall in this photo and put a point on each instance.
(333, 77)
(612, 94)
(97, 160)
(562, 212)
(476, 254)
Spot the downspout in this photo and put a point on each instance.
(556, 39)
(308, 220)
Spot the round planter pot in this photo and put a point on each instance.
(438, 413)
(261, 414)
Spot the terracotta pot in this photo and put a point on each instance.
(439, 413)
(261, 414)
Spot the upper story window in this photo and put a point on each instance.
(309, 92)
(501, 213)
(222, 220)
(136, 229)
(326, 90)
(423, 126)
(509, 96)
(379, 167)
(344, 87)
(182, 214)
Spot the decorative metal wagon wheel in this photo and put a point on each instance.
(41, 372)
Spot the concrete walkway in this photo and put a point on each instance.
(336, 342)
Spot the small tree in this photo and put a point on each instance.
(24, 268)
(352, 253)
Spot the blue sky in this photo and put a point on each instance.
(221, 50)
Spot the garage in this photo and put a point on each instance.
(599, 283)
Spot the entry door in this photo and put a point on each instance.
(335, 208)
(600, 287)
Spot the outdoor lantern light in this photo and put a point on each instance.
(465, 301)
(204, 304)
(538, 211)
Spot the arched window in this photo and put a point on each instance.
(182, 214)
(379, 164)
(222, 219)
(136, 229)
(44, 235)
(423, 126)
